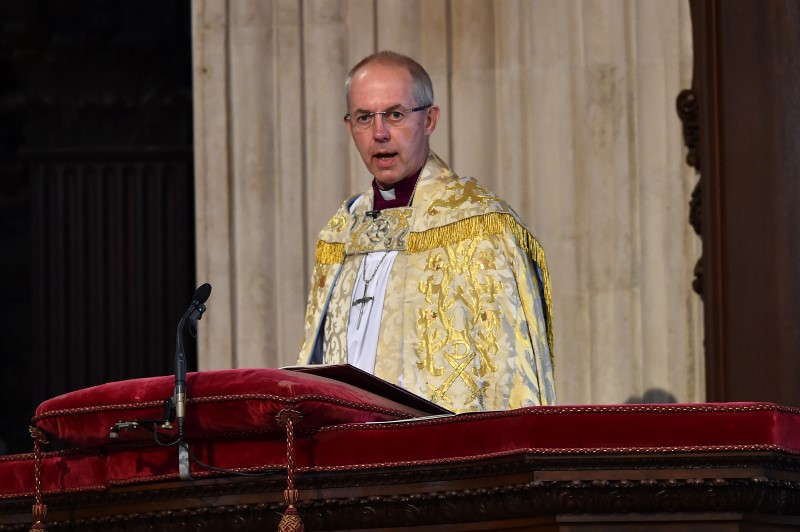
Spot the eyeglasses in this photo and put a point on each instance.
(397, 118)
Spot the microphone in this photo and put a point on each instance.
(201, 294)
(199, 298)
(192, 314)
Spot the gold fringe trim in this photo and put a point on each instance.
(328, 253)
(494, 223)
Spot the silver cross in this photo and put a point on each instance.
(363, 300)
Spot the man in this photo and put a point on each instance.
(427, 280)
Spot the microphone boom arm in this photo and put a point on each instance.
(192, 314)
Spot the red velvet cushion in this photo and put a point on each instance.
(219, 403)
(543, 431)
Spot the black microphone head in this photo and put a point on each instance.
(201, 294)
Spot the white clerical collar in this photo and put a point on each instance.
(387, 195)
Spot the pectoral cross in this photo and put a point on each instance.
(363, 300)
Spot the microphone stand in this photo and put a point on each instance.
(192, 315)
(176, 405)
(179, 398)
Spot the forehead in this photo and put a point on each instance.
(377, 86)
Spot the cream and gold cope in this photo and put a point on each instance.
(467, 318)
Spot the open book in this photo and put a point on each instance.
(361, 379)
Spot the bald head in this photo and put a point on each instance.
(421, 88)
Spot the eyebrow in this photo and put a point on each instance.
(394, 107)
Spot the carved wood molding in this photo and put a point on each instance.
(524, 500)
(527, 487)
(689, 114)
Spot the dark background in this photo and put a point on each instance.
(96, 197)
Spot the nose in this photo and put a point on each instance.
(379, 129)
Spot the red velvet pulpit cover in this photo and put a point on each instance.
(222, 403)
(231, 424)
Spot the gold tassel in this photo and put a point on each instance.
(494, 223)
(290, 522)
(329, 253)
(39, 509)
(39, 513)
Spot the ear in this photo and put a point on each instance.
(348, 125)
(431, 118)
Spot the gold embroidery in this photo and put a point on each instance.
(387, 232)
(434, 262)
(318, 283)
(337, 223)
(471, 191)
(460, 325)
(494, 223)
(430, 341)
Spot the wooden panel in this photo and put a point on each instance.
(113, 264)
(747, 84)
(709, 491)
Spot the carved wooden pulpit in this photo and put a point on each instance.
(360, 460)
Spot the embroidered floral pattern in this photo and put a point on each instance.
(458, 326)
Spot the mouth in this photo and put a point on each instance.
(385, 159)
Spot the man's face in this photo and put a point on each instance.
(390, 153)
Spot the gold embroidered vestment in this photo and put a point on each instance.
(466, 320)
